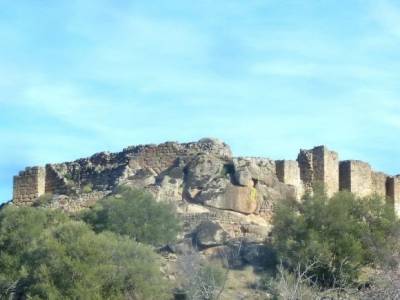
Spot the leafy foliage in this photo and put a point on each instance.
(342, 234)
(87, 188)
(43, 200)
(45, 255)
(135, 213)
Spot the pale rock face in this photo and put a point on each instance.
(219, 148)
(251, 170)
(209, 234)
(143, 178)
(170, 189)
(193, 209)
(241, 199)
(203, 169)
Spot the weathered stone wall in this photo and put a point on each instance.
(331, 170)
(393, 192)
(29, 185)
(140, 166)
(163, 156)
(305, 160)
(202, 172)
(359, 178)
(288, 172)
(356, 177)
(379, 180)
(319, 165)
(55, 183)
(74, 204)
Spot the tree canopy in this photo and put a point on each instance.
(46, 255)
(340, 235)
(137, 214)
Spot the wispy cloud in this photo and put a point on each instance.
(268, 77)
(387, 14)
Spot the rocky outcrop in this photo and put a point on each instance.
(203, 181)
(209, 234)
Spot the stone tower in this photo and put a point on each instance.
(29, 185)
(359, 178)
(319, 165)
(393, 192)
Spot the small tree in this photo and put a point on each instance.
(343, 234)
(20, 227)
(44, 255)
(137, 214)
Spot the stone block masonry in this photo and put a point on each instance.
(319, 165)
(356, 177)
(288, 172)
(202, 172)
(393, 192)
(379, 183)
(359, 178)
(29, 185)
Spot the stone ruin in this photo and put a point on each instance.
(204, 181)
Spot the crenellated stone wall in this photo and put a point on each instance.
(204, 173)
(379, 180)
(359, 178)
(319, 165)
(393, 192)
(288, 172)
(29, 185)
(356, 177)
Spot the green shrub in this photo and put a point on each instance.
(341, 235)
(44, 255)
(137, 214)
(43, 200)
(87, 188)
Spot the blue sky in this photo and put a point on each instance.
(267, 77)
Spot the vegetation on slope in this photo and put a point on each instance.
(332, 240)
(108, 252)
(47, 255)
(136, 214)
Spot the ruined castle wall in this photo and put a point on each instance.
(156, 158)
(356, 177)
(77, 203)
(288, 172)
(345, 175)
(331, 170)
(319, 165)
(379, 183)
(29, 185)
(54, 182)
(393, 192)
(305, 161)
(164, 156)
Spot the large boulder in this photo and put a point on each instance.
(215, 146)
(249, 171)
(203, 169)
(209, 234)
(237, 198)
(169, 189)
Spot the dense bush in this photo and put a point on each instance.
(137, 214)
(45, 255)
(339, 236)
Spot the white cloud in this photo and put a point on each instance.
(387, 14)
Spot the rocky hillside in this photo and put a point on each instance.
(203, 180)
